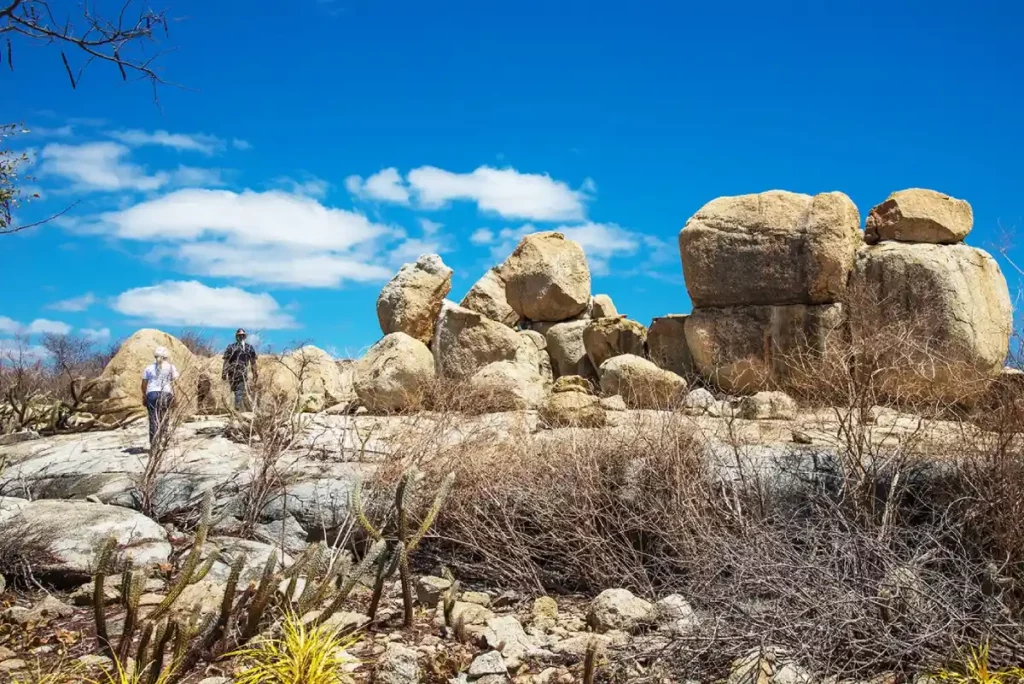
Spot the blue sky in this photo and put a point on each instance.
(316, 146)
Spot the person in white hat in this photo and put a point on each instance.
(158, 390)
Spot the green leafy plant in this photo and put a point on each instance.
(976, 669)
(303, 654)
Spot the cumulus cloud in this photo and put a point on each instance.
(74, 303)
(96, 335)
(97, 166)
(385, 186)
(430, 227)
(482, 236)
(183, 142)
(505, 192)
(39, 326)
(188, 303)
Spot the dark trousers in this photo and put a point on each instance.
(158, 405)
(240, 388)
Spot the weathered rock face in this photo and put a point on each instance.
(547, 278)
(640, 383)
(602, 306)
(604, 338)
(533, 351)
(567, 350)
(394, 375)
(114, 397)
(770, 248)
(572, 383)
(947, 304)
(410, 302)
(507, 386)
(308, 378)
(572, 409)
(918, 215)
(465, 341)
(667, 346)
(69, 535)
(745, 349)
(768, 406)
(487, 297)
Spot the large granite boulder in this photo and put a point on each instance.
(770, 248)
(394, 375)
(918, 215)
(666, 344)
(114, 397)
(307, 378)
(602, 306)
(746, 349)
(506, 386)
(604, 338)
(939, 316)
(410, 302)
(533, 351)
(465, 341)
(567, 349)
(487, 297)
(640, 383)
(547, 278)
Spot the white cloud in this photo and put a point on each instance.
(19, 352)
(96, 335)
(194, 175)
(430, 227)
(59, 132)
(240, 144)
(75, 303)
(308, 187)
(385, 185)
(39, 326)
(98, 166)
(505, 192)
(482, 236)
(183, 142)
(190, 302)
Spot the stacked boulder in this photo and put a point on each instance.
(766, 274)
(939, 309)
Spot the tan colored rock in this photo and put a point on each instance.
(115, 397)
(507, 386)
(572, 409)
(567, 351)
(666, 344)
(394, 375)
(745, 349)
(942, 311)
(768, 406)
(641, 384)
(307, 378)
(410, 302)
(604, 338)
(465, 341)
(572, 383)
(533, 351)
(547, 278)
(602, 306)
(487, 297)
(770, 248)
(918, 215)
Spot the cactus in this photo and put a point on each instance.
(103, 566)
(188, 570)
(590, 662)
(450, 597)
(404, 544)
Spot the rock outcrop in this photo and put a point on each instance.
(394, 375)
(640, 383)
(944, 310)
(567, 350)
(667, 346)
(465, 341)
(307, 378)
(602, 306)
(547, 278)
(917, 215)
(410, 302)
(507, 386)
(604, 338)
(570, 404)
(487, 297)
(771, 248)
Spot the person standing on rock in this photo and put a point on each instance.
(158, 391)
(239, 359)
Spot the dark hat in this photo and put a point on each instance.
(240, 331)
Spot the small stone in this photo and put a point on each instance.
(477, 597)
(97, 662)
(13, 665)
(505, 600)
(698, 400)
(619, 609)
(6, 653)
(487, 664)
(429, 590)
(506, 634)
(491, 679)
(801, 437)
(398, 665)
(545, 607)
(613, 403)
(345, 622)
(215, 680)
(151, 599)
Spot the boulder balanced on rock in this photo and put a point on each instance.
(394, 375)
(918, 215)
(410, 302)
(547, 278)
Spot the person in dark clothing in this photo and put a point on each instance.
(239, 359)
